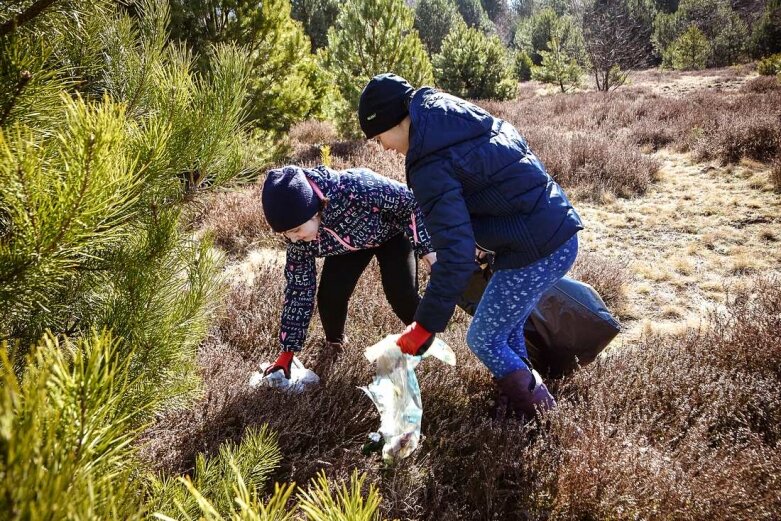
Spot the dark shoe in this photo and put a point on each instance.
(325, 356)
(526, 393)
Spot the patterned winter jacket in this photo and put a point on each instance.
(364, 210)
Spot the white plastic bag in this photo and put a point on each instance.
(396, 394)
(300, 378)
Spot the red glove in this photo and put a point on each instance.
(283, 362)
(415, 340)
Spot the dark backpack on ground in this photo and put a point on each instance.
(570, 325)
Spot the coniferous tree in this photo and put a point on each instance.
(317, 16)
(67, 428)
(474, 15)
(85, 186)
(230, 486)
(560, 7)
(283, 81)
(434, 19)
(769, 66)
(91, 191)
(730, 44)
(666, 28)
(766, 33)
(558, 68)
(94, 174)
(725, 31)
(474, 65)
(496, 9)
(533, 35)
(690, 50)
(371, 37)
(523, 8)
(500, 14)
(523, 66)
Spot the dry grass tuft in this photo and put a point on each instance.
(775, 174)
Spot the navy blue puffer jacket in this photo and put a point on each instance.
(479, 185)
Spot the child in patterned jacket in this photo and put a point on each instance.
(348, 217)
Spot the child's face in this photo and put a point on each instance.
(306, 232)
(396, 139)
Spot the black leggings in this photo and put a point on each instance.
(398, 270)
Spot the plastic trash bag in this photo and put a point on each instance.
(568, 327)
(396, 394)
(300, 378)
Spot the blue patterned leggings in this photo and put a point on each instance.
(496, 332)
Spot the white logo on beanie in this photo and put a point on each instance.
(371, 117)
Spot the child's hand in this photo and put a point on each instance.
(282, 363)
(430, 259)
(415, 340)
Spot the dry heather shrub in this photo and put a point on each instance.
(608, 276)
(651, 133)
(370, 154)
(466, 468)
(591, 142)
(249, 323)
(312, 132)
(762, 84)
(591, 166)
(236, 220)
(247, 335)
(350, 154)
(741, 135)
(676, 427)
(701, 120)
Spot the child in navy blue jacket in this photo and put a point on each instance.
(480, 188)
(348, 217)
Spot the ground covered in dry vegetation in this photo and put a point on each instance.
(677, 178)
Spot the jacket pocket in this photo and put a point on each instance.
(504, 234)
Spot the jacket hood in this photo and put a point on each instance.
(440, 120)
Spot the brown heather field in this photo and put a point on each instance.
(677, 178)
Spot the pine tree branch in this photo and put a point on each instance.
(32, 12)
(27, 206)
(24, 79)
(79, 200)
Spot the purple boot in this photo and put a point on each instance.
(525, 393)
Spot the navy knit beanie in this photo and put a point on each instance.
(383, 103)
(288, 198)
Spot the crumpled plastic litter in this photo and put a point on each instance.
(396, 394)
(301, 378)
